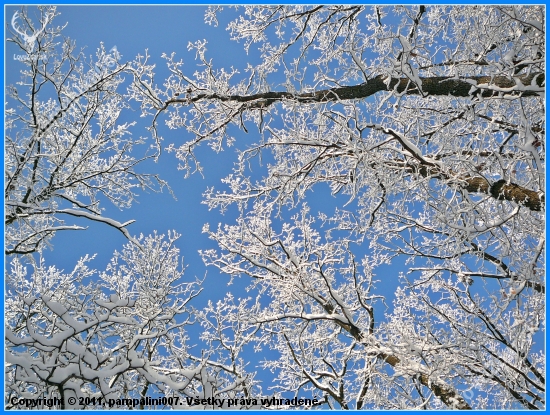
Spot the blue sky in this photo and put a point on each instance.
(165, 29)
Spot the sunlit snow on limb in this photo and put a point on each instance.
(72, 333)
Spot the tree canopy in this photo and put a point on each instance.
(426, 124)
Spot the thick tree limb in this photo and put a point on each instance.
(487, 86)
(448, 395)
(500, 190)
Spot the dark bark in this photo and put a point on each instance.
(448, 395)
(500, 190)
(503, 190)
(430, 86)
